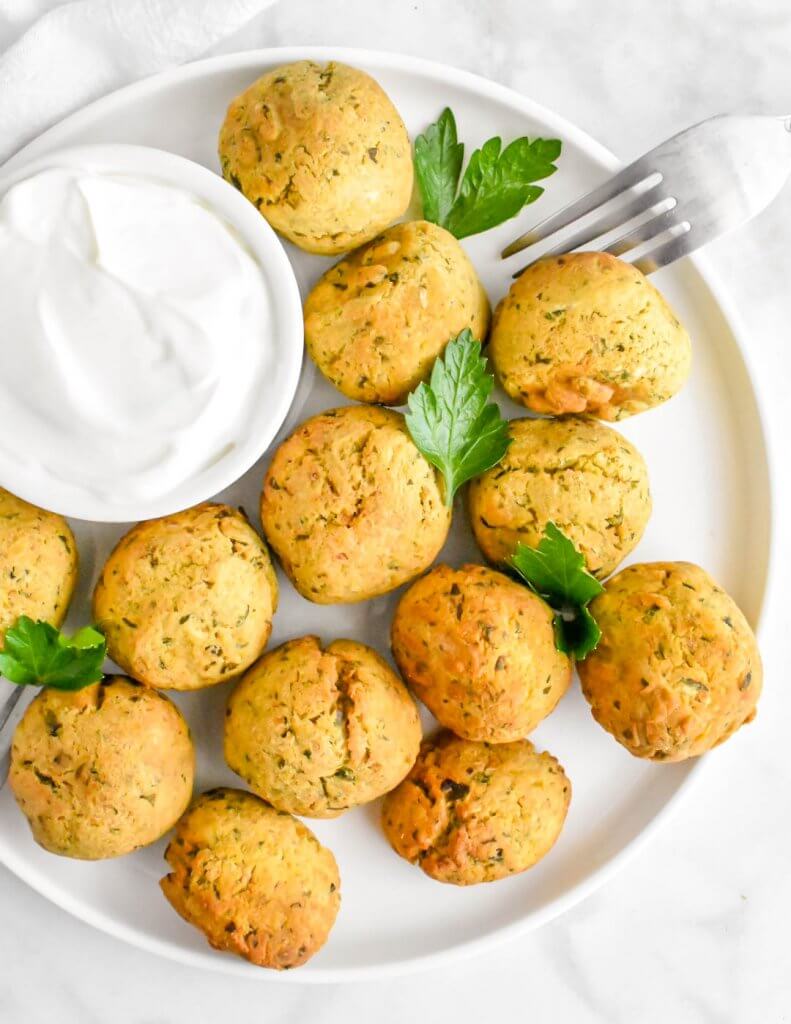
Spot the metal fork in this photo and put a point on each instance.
(7, 709)
(692, 188)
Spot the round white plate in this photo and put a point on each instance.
(712, 504)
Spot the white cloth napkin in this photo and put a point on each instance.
(57, 56)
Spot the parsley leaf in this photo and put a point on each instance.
(438, 160)
(578, 634)
(38, 654)
(496, 184)
(556, 571)
(451, 419)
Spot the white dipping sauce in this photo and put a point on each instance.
(136, 332)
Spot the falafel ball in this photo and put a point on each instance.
(321, 151)
(254, 880)
(588, 333)
(187, 601)
(677, 670)
(375, 322)
(316, 731)
(101, 771)
(476, 812)
(582, 476)
(38, 563)
(479, 650)
(351, 507)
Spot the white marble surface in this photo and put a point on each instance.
(695, 929)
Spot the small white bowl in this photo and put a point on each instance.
(287, 337)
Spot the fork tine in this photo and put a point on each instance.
(629, 178)
(11, 702)
(607, 222)
(666, 251)
(647, 231)
(6, 711)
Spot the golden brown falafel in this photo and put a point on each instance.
(316, 731)
(476, 812)
(677, 670)
(351, 507)
(375, 322)
(321, 151)
(38, 563)
(588, 333)
(254, 880)
(187, 601)
(582, 476)
(101, 771)
(478, 649)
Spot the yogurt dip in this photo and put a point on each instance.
(137, 333)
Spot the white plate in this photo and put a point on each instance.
(712, 504)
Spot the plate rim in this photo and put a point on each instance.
(510, 97)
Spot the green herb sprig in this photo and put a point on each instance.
(556, 571)
(451, 419)
(496, 185)
(38, 654)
